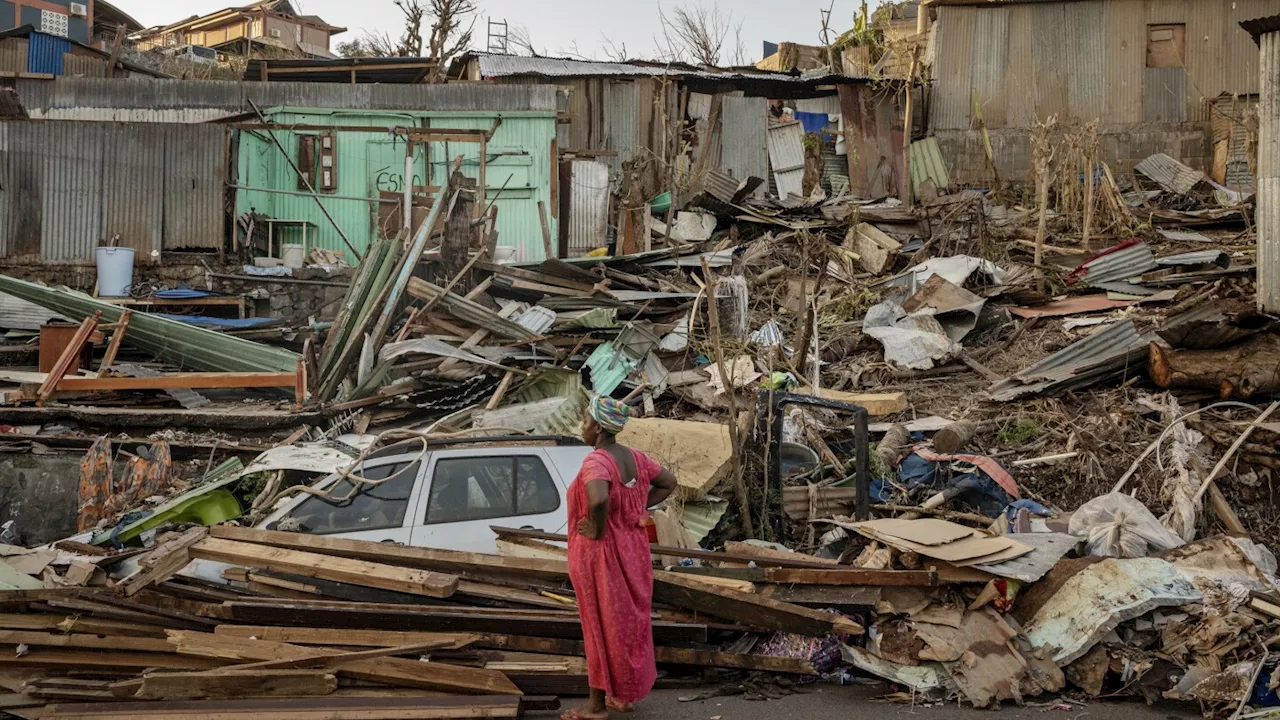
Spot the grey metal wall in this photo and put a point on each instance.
(191, 101)
(66, 187)
(1085, 60)
(744, 150)
(1268, 200)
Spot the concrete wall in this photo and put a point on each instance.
(1122, 149)
(41, 493)
(77, 27)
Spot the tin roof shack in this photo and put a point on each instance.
(1148, 70)
(356, 162)
(659, 117)
(1266, 32)
(68, 19)
(269, 28)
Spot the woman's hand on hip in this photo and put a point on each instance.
(588, 529)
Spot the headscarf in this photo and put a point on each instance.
(609, 414)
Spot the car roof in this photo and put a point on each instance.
(409, 447)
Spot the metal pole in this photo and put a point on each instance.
(310, 188)
(408, 185)
(862, 471)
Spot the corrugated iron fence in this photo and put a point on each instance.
(66, 187)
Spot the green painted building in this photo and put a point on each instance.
(358, 171)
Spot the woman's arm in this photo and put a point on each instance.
(663, 484)
(592, 527)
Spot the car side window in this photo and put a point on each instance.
(373, 507)
(481, 488)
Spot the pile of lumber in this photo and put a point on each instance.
(232, 621)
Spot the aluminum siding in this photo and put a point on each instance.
(195, 164)
(786, 158)
(1126, 30)
(990, 63)
(588, 207)
(45, 53)
(744, 149)
(622, 117)
(1268, 200)
(952, 105)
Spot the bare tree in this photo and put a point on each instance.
(448, 38)
(370, 45)
(699, 34)
(520, 42)
(411, 41)
(613, 51)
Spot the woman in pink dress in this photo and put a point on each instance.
(610, 564)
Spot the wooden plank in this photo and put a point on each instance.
(75, 659)
(537, 277)
(117, 337)
(846, 576)
(389, 671)
(460, 563)
(193, 381)
(748, 609)
(308, 564)
(95, 626)
(263, 613)
(101, 611)
(776, 559)
(324, 708)
(88, 642)
(350, 638)
(231, 684)
(69, 354)
(825, 596)
(163, 562)
(875, 403)
(346, 657)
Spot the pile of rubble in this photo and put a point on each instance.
(1037, 403)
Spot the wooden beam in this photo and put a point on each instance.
(84, 642)
(163, 562)
(389, 671)
(117, 337)
(76, 659)
(538, 277)
(341, 706)
(231, 684)
(845, 576)
(748, 609)
(326, 567)
(695, 553)
(193, 381)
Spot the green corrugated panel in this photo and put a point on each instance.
(927, 164)
(369, 163)
(177, 343)
(701, 517)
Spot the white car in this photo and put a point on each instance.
(445, 497)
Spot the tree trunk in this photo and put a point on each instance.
(954, 437)
(1241, 371)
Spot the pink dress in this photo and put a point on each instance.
(613, 580)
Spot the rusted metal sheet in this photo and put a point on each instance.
(1086, 60)
(952, 105)
(588, 207)
(72, 171)
(196, 175)
(1020, 102)
(786, 157)
(743, 150)
(131, 203)
(1170, 174)
(990, 64)
(621, 121)
(1106, 353)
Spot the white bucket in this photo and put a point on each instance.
(294, 254)
(504, 255)
(115, 271)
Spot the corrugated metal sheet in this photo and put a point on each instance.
(13, 55)
(66, 186)
(927, 164)
(829, 105)
(622, 116)
(106, 99)
(1120, 265)
(80, 66)
(990, 64)
(786, 157)
(497, 66)
(1106, 352)
(1164, 95)
(196, 176)
(1050, 56)
(1231, 119)
(1170, 174)
(952, 104)
(588, 207)
(1126, 48)
(1267, 214)
(1020, 101)
(45, 53)
(1212, 325)
(18, 314)
(1086, 58)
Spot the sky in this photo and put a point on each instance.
(559, 27)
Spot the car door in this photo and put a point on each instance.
(468, 491)
(377, 510)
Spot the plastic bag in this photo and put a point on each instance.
(1117, 525)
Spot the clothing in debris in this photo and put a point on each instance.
(613, 579)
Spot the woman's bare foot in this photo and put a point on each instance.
(584, 714)
(619, 707)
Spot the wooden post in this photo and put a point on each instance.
(109, 358)
(740, 486)
(407, 210)
(908, 196)
(546, 232)
(115, 50)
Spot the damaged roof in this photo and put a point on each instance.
(1261, 26)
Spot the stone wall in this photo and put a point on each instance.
(1122, 147)
(311, 292)
(40, 493)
